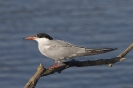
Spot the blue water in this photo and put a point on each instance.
(88, 23)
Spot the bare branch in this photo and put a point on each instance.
(32, 82)
(75, 63)
(124, 53)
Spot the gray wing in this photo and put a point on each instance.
(61, 50)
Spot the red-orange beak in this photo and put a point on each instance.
(29, 38)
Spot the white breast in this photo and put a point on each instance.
(44, 49)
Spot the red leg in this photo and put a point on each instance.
(56, 65)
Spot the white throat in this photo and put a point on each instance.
(43, 44)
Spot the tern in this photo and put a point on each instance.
(60, 50)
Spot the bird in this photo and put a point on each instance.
(60, 50)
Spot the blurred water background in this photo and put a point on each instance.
(88, 23)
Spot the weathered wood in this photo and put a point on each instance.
(124, 53)
(32, 82)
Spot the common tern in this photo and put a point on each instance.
(60, 50)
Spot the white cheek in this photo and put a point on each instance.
(42, 40)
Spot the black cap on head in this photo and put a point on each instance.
(44, 35)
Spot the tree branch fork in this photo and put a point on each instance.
(42, 71)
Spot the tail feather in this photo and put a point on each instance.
(98, 51)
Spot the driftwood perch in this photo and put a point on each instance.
(42, 71)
